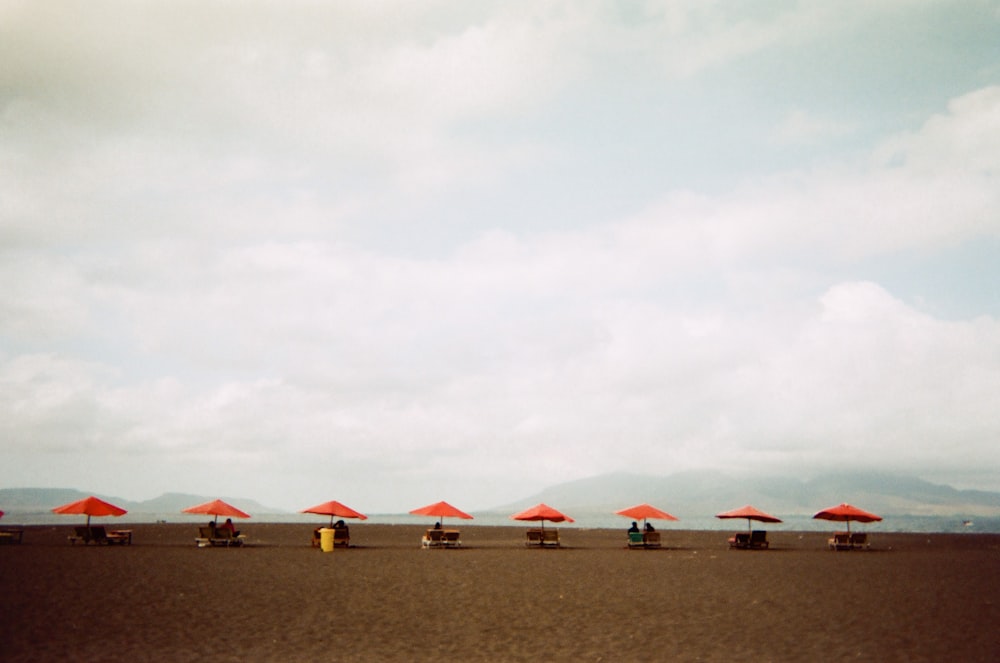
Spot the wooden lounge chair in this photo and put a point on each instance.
(740, 540)
(550, 538)
(210, 536)
(533, 537)
(433, 538)
(451, 539)
(651, 539)
(11, 535)
(81, 533)
(205, 536)
(859, 541)
(758, 539)
(840, 541)
(225, 537)
(341, 537)
(636, 540)
(100, 536)
(122, 537)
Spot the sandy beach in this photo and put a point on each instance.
(913, 597)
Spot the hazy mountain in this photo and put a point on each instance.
(40, 500)
(700, 493)
(44, 499)
(686, 495)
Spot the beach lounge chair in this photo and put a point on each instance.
(99, 535)
(433, 538)
(533, 537)
(225, 537)
(80, 533)
(859, 541)
(740, 540)
(550, 538)
(122, 537)
(11, 535)
(341, 537)
(451, 539)
(205, 535)
(758, 539)
(210, 536)
(651, 539)
(840, 541)
(636, 540)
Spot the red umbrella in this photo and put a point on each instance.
(334, 508)
(750, 513)
(542, 512)
(441, 510)
(216, 508)
(644, 511)
(845, 513)
(90, 506)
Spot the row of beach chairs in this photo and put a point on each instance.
(99, 535)
(849, 541)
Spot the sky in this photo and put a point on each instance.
(393, 252)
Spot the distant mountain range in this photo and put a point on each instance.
(686, 495)
(692, 494)
(41, 500)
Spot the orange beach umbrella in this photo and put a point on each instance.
(845, 513)
(216, 508)
(441, 510)
(542, 512)
(644, 511)
(750, 513)
(334, 508)
(91, 506)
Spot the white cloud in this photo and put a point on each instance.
(184, 285)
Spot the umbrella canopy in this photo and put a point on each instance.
(644, 511)
(216, 508)
(441, 510)
(750, 513)
(334, 508)
(91, 506)
(542, 512)
(845, 513)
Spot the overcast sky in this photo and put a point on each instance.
(395, 252)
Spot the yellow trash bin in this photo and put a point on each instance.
(326, 539)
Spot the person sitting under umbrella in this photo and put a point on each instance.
(634, 528)
(649, 527)
(228, 525)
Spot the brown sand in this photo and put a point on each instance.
(913, 597)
